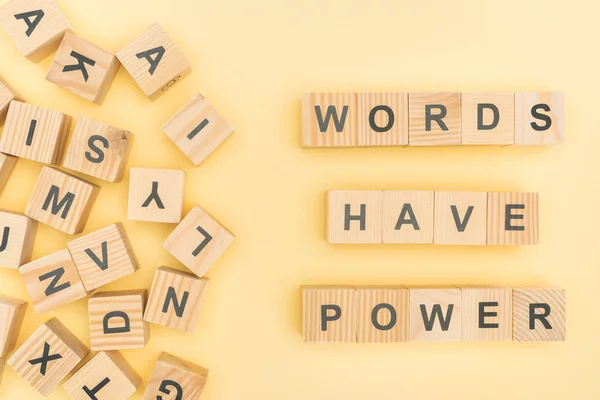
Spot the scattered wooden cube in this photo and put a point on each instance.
(103, 256)
(512, 218)
(488, 118)
(434, 119)
(17, 237)
(197, 129)
(460, 218)
(328, 314)
(107, 376)
(435, 314)
(155, 195)
(175, 299)
(35, 133)
(539, 118)
(486, 313)
(154, 61)
(354, 216)
(539, 314)
(35, 26)
(48, 356)
(408, 216)
(382, 314)
(52, 281)
(61, 200)
(176, 378)
(6, 96)
(116, 320)
(329, 120)
(12, 312)
(7, 164)
(2, 362)
(198, 241)
(382, 119)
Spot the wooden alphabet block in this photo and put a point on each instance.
(52, 281)
(197, 129)
(103, 256)
(408, 216)
(488, 118)
(83, 68)
(539, 314)
(116, 320)
(435, 314)
(354, 216)
(35, 26)
(17, 237)
(175, 299)
(434, 119)
(198, 241)
(382, 314)
(7, 164)
(35, 133)
(460, 218)
(539, 118)
(176, 378)
(48, 356)
(98, 150)
(329, 120)
(155, 195)
(62, 201)
(6, 96)
(12, 312)
(382, 119)
(486, 313)
(512, 218)
(154, 61)
(107, 376)
(328, 314)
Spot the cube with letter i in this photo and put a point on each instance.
(155, 195)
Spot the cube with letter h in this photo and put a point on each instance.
(354, 216)
(155, 195)
(175, 378)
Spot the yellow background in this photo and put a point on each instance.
(253, 60)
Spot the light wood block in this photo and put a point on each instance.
(35, 133)
(52, 281)
(35, 26)
(329, 120)
(12, 312)
(48, 356)
(460, 218)
(7, 165)
(116, 320)
(382, 314)
(103, 256)
(408, 216)
(156, 195)
(62, 201)
(2, 363)
(198, 241)
(539, 314)
(175, 378)
(17, 237)
(382, 119)
(328, 314)
(107, 376)
(154, 61)
(486, 313)
(197, 129)
(354, 216)
(512, 218)
(434, 119)
(488, 118)
(175, 299)
(98, 150)
(6, 96)
(435, 314)
(539, 118)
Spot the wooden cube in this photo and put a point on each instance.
(486, 313)
(48, 356)
(539, 118)
(17, 237)
(52, 281)
(12, 312)
(354, 216)
(6, 96)
(175, 299)
(460, 218)
(408, 216)
(176, 378)
(197, 129)
(7, 164)
(107, 376)
(512, 218)
(539, 314)
(329, 120)
(155, 195)
(103, 256)
(35, 26)
(62, 201)
(328, 314)
(154, 61)
(35, 133)
(382, 314)
(83, 68)
(382, 119)
(434, 119)
(198, 241)
(435, 314)
(488, 118)
(116, 320)
(2, 362)
(98, 150)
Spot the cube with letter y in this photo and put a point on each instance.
(176, 378)
(155, 195)
(328, 314)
